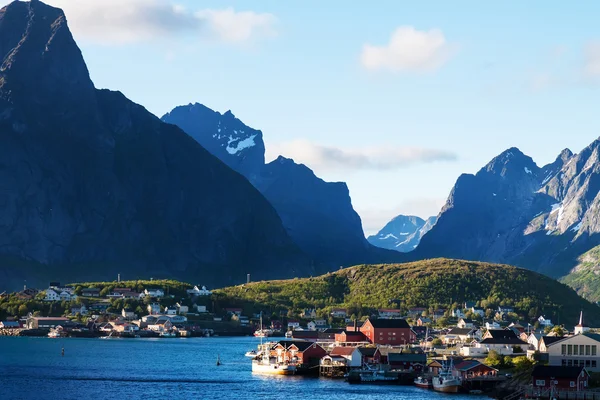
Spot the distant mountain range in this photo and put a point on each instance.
(93, 184)
(318, 215)
(514, 212)
(403, 233)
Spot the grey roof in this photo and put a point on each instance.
(407, 357)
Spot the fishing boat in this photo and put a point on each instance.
(264, 363)
(263, 332)
(445, 381)
(423, 383)
(251, 354)
(57, 332)
(377, 377)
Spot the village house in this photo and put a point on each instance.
(515, 326)
(309, 313)
(500, 316)
(471, 369)
(503, 341)
(199, 308)
(352, 357)
(154, 292)
(301, 353)
(534, 340)
(82, 310)
(311, 326)
(128, 313)
(460, 335)
(305, 335)
(439, 313)
(9, 325)
(492, 325)
(369, 355)
(51, 295)
(338, 313)
(546, 341)
(423, 321)
(576, 351)
(416, 312)
(388, 313)
(544, 322)
(465, 323)
(171, 310)
(505, 309)
(560, 377)
(45, 322)
(388, 331)
(407, 361)
(66, 296)
(90, 292)
(27, 294)
(351, 337)
(153, 308)
(383, 352)
(469, 304)
(196, 291)
(321, 324)
(478, 311)
(457, 313)
(161, 325)
(182, 309)
(293, 325)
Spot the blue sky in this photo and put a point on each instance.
(395, 98)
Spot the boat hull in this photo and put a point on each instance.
(273, 369)
(424, 385)
(446, 388)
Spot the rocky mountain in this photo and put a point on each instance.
(318, 215)
(93, 184)
(513, 211)
(403, 233)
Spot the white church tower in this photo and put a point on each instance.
(580, 327)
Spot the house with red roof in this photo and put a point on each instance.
(388, 331)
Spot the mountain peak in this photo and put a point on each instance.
(42, 69)
(509, 162)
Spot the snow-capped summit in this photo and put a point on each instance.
(403, 233)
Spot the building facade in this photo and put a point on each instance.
(576, 351)
(388, 331)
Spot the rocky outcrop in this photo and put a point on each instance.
(89, 178)
(403, 233)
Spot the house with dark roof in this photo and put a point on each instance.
(562, 378)
(388, 331)
(368, 355)
(351, 337)
(407, 361)
(465, 323)
(304, 354)
(470, 369)
(546, 341)
(503, 341)
(460, 335)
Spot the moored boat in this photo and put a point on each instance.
(445, 382)
(57, 332)
(167, 334)
(423, 382)
(269, 365)
(263, 332)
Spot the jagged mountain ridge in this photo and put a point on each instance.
(403, 233)
(318, 215)
(90, 178)
(514, 212)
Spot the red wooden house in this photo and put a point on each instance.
(301, 353)
(561, 378)
(388, 331)
(472, 369)
(350, 336)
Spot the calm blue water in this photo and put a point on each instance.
(33, 368)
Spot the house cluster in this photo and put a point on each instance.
(56, 292)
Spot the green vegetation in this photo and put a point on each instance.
(585, 277)
(443, 283)
(170, 287)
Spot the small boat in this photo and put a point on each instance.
(167, 334)
(263, 332)
(445, 382)
(423, 383)
(57, 332)
(251, 354)
(377, 377)
(269, 365)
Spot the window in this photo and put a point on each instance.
(594, 349)
(569, 349)
(572, 384)
(587, 349)
(540, 382)
(593, 363)
(587, 363)
(564, 362)
(576, 363)
(581, 349)
(575, 350)
(563, 350)
(569, 363)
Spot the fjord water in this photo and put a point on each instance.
(33, 368)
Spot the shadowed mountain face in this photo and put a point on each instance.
(318, 215)
(90, 178)
(403, 233)
(514, 212)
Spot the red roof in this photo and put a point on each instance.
(342, 351)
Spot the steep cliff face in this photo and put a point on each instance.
(511, 211)
(318, 215)
(90, 178)
(403, 233)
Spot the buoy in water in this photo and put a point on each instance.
(218, 360)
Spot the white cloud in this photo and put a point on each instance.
(131, 21)
(592, 59)
(409, 50)
(325, 158)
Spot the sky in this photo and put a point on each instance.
(395, 98)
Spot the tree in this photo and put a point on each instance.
(23, 310)
(507, 361)
(494, 359)
(522, 363)
(436, 342)
(558, 330)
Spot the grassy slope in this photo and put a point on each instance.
(427, 283)
(585, 277)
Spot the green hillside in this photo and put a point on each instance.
(443, 283)
(585, 277)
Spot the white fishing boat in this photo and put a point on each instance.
(251, 354)
(264, 363)
(423, 382)
(445, 382)
(263, 332)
